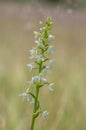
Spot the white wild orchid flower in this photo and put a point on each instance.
(45, 114)
(24, 95)
(50, 86)
(51, 37)
(41, 64)
(50, 50)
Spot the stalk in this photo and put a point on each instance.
(34, 109)
(35, 103)
(42, 63)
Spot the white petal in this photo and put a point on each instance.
(52, 63)
(43, 79)
(36, 34)
(45, 114)
(50, 50)
(46, 70)
(24, 95)
(50, 86)
(31, 65)
(37, 42)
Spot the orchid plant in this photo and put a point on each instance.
(41, 64)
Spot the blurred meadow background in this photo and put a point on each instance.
(67, 103)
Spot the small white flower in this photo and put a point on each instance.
(51, 37)
(38, 78)
(43, 79)
(35, 78)
(33, 53)
(46, 70)
(31, 66)
(50, 86)
(36, 34)
(50, 50)
(39, 57)
(32, 101)
(52, 63)
(24, 95)
(37, 42)
(41, 29)
(45, 114)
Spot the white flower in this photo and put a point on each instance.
(36, 34)
(39, 57)
(50, 86)
(45, 114)
(41, 29)
(37, 42)
(24, 95)
(33, 53)
(52, 63)
(46, 70)
(35, 78)
(40, 44)
(43, 79)
(38, 78)
(50, 50)
(31, 66)
(32, 101)
(51, 37)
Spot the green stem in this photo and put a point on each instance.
(34, 109)
(35, 104)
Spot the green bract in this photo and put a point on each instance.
(42, 63)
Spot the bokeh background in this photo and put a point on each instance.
(67, 103)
